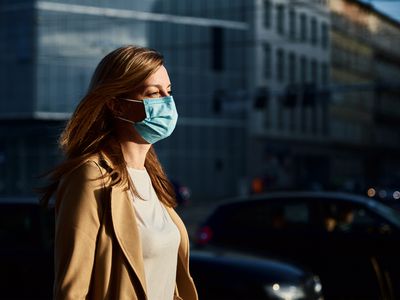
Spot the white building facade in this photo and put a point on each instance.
(291, 53)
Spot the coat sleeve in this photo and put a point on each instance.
(78, 217)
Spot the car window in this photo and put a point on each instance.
(296, 213)
(267, 216)
(350, 218)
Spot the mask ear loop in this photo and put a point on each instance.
(130, 100)
(126, 120)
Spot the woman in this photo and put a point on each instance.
(117, 234)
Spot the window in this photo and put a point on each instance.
(324, 73)
(280, 65)
(270, 216)
(324, 35)
(350, 218)
(303, 69)
(280, 19)
(218, 98)
(314, 33)
(292, 24)
(267, 13)
(292, 68)
(283, 216)
(217, 57)
(303, 27)
(23, 52)
(314, 71)
(297, 213)
(261, 98)
(267, 61)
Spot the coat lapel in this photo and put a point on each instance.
(127, 232)
(185, 287)
(183, 252)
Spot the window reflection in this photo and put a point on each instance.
(69, 46)
(349, 218)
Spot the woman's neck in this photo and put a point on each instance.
(134, 147)
(135, 154)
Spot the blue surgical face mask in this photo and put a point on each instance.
(160, 121)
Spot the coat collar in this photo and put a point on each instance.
(127, 232)
(183, 252)
(125, 225)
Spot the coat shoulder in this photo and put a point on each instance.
(89, 170)
(83, 181)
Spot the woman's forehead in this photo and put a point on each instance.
(158, 78)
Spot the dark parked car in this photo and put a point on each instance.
(351, 242)
(229, 276)
(26, 250)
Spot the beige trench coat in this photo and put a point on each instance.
(98, 253)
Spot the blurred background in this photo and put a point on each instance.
(272, 95)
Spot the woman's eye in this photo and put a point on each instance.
(170, 93)
(154, 94)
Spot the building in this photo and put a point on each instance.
(293, 93)
(289, 119)
(365, 106)
(49, 49)
(326, 96)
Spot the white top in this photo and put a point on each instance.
(160, 238)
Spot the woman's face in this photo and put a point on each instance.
(155, 86)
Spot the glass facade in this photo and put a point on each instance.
(17, 55)
(52, 57)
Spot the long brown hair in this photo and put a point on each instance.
(90, 130)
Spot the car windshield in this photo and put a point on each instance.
(389, 213)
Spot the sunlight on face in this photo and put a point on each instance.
(157, 85)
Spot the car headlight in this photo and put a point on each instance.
(285, 292)
(316, 283)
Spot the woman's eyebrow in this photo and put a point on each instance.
(156, 85)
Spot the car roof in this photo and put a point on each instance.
(310, 195)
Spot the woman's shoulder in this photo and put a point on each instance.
(89, 170)
(80, 186)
